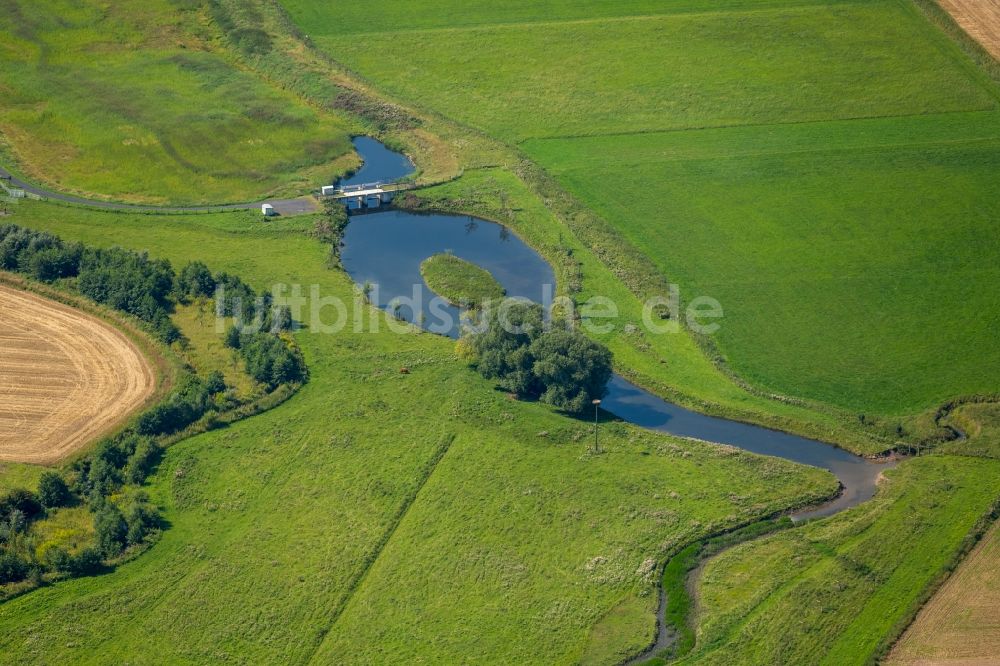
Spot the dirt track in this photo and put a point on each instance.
(979, 18)
(65, 378)
(960, 625)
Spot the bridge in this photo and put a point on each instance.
(365, 195)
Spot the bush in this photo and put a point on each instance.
(141, 519)
(111, 530)
(142, 461)
(269, 359)
(186, 404)
(12, 567)
(572, 369)
(52, 490)
(86, 563)
(24, 502)
(195, 280)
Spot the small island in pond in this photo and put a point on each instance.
(459, 282)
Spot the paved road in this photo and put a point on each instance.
(281, 206)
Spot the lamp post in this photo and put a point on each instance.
(597, 447)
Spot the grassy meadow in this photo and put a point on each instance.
(826, 170)
(670, 361)
(426, 500)
(860, 248)
(836, 591)
(686, 69)
(137, 101)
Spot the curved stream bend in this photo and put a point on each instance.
(386, 248)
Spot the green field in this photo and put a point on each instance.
(825, 170)
(691, 68)
(383, 513)
(136, 101)
(669, 362)
(833, 591)
(850, 257)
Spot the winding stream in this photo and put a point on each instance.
(385, 249)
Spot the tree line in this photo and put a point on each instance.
(106, 479)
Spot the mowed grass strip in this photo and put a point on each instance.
(850, 257)
(289, 528)
(789, 64)
(136, 101)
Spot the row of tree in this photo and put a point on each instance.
(134, 283)
(148, 289)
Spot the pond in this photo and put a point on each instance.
(385, 249)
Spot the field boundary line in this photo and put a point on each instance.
(513, 25)
(791, 123)
(444, 446)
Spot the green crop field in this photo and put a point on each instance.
(691, 68)
(136, 101)
(850, 257)
(426, 500)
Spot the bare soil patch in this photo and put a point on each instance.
(979, 18)
(960, 625)
(66, 377)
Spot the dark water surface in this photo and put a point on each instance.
(386, 249)
(380, 163)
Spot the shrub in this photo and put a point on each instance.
(196, 280)
(52, 490)
(572, 369)
(186, 404)
(269, 359)
(142, 461)
(110, 529)
(502, 349)
(22, 501)
(58, 559)
(87, 562)
(141, 519)
(12, 567)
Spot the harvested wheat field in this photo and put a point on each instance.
(979, 18)
(960, 625)
(65, 378)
